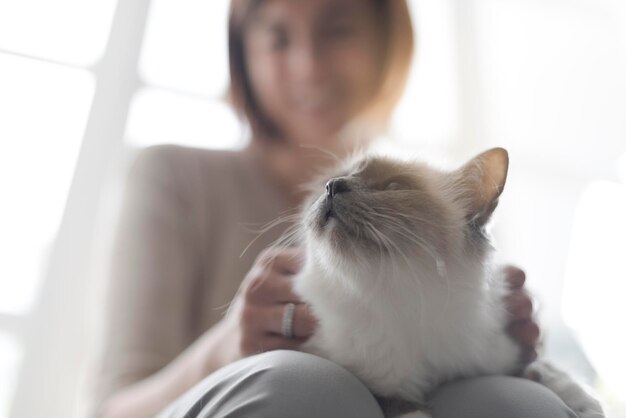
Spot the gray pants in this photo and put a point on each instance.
(291, 384)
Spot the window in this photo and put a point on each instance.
(69, 31)
(49, 104)
(594, 280)
(46, 93)
(184, 65)
(159, 116)
(10, 361)
(545, 79)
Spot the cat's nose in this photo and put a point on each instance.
(336, 185)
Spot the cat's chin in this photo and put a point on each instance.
(330, 225)
(342, 244)
(332, 235)
(328, 228)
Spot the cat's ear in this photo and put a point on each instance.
(480, 182)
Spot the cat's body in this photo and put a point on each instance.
(399, 273)
(392, 340)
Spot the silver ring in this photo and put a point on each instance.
(288, 320)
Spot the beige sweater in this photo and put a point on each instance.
(187, 216)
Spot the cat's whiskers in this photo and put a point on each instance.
(412, 237)
(322, 150)
(291, 236)
(409, 280)
(412, 217)
(287, 218)
(382, 248)
(287, 238)
(288, 213)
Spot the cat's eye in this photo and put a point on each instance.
(393, 185)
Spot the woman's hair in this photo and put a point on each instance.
(397, 29)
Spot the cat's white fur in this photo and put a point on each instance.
(405, 322)
(361, 325)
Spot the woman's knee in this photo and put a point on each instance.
(278, 384)
(304, 385)
(497, 397)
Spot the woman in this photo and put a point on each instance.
(305, 75)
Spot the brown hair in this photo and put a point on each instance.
(398, 31)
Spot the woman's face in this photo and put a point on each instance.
(314, 64)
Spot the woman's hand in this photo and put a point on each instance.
(522, 326)
(256, 317)
(253, 324)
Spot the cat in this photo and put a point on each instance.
(399, 271)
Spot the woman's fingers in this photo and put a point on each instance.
(289, 260)
(270, 280)
(514, 276)
(269, 320)
(283, 260)
(304, 323)
(263, 296)
(528, 355)
(270, 288)
(525, 332)
(522, 326)
(519, 305)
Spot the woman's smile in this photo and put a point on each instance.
(316, 64)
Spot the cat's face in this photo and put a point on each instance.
(377, 209)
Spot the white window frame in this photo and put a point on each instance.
(52, 375)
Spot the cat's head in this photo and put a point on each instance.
(376, 209)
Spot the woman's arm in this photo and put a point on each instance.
(251, 326)
(149, 396)
(154, 272)
(150, 358)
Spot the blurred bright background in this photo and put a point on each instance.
(84, 83)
